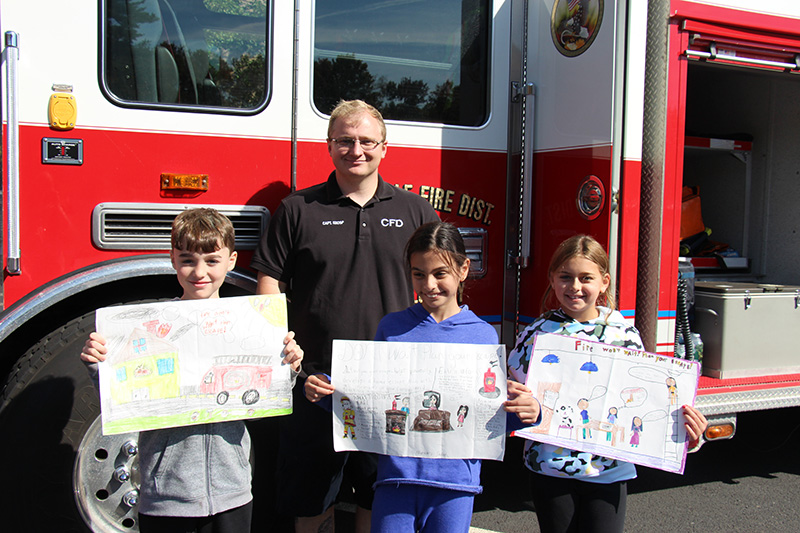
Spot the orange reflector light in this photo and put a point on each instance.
(722, 431)
(184, 182)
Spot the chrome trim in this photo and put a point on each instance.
(95, 276)
(147, 226)
(712, 56)
(737, 402)
(295, 78)
(13, 263)
(526, 202)
(476, 247)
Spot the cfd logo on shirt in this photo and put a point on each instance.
(392, 222)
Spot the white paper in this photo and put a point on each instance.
(188, 362)
(431, 400)
(614, 386)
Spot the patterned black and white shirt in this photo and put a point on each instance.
(556, 461)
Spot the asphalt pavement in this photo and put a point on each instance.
(750, 483)
(747, 484)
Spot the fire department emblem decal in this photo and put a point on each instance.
(591, 195)
(574, 24)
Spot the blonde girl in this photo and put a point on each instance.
(573, 490)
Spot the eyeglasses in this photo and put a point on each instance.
(346, 143)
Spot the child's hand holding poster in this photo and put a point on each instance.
(188, 362)
(611, 401)
(419, 399)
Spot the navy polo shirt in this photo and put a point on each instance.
(344, 263)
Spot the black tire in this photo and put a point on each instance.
(250, 397)
(222, 397)
(57, 455)
(46, 407)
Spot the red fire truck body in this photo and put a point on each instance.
(245, 375)
(521, 122)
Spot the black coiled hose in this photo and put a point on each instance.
(682, 321)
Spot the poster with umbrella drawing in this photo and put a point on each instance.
(611, 401)
(186, 362)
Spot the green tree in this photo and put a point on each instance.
(343, 78)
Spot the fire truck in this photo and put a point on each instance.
(522, 122)
(239, 374)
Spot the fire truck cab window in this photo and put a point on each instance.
(206, 53)
(416, 60)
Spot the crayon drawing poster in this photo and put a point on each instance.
(186, 362)
(419, 399)
(611, 401)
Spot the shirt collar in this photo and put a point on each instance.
(334, 193)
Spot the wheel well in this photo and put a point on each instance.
(126, 291)
(49, 402)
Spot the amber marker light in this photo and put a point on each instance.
(184, 182)
(721, 431)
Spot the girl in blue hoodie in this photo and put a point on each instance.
(431, 495)
(422, 494)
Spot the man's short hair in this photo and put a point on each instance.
(346, 109)
(202, 230)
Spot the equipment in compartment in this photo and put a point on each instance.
(717, 237)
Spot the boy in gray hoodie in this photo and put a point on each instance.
(196, 478)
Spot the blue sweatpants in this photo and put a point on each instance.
(412, 508)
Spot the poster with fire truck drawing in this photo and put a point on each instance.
(611, 401)
(186, 362)
(419, 399)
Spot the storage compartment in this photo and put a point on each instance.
(741, 154)
(748, 329)
(720, 172)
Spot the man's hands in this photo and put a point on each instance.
(317, 387)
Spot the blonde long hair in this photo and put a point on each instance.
(580, 246)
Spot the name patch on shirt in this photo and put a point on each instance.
(332, 222)
(392, 222)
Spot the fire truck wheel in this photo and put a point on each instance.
(250, 397)
(49, 412)
(222, 397)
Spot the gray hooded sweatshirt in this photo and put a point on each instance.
(193, 471)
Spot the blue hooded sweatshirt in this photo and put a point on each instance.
(415, 324)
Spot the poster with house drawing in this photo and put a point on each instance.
(187, 362)
(611, 401)
(419, 399)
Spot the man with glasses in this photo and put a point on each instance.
(336, 248)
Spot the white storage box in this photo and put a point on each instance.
(748, 329)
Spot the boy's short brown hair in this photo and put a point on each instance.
(202, 230)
